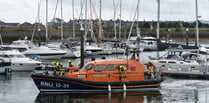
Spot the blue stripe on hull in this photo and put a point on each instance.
(46, 85)
(51, 84)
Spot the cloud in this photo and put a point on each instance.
(26, 10)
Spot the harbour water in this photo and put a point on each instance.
(19, 88)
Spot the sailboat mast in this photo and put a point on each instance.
(197, 28)
(114, 7)
(137, 23)
(91, 23)
(61, 22)
(120, 20)
(158, 19)
(73, 19)
(46, 20)
(100, 16)
(39, 23)
(86, 9)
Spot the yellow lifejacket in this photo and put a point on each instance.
(58, 65)
(150, 70)
(122, 68)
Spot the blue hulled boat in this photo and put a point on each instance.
(103, 76)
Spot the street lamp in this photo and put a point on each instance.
(187, 36)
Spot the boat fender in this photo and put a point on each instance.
(109, 87)
(124, 87)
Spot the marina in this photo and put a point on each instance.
(144, 53)
(20, 85)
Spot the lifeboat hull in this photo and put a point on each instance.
(51, 83)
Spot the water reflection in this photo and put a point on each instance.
(5, 77)
(148, 97)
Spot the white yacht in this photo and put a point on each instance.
(71, 52)
(22, 45)
(45, 52)
(204, 49)
(149, 43)
(146, 43)
(179, 60)
(74, 52)
(92, 49)
(18, 60)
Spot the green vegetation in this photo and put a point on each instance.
(177, 29)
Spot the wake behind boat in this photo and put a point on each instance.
(101, 75)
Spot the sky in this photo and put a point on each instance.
(20, 11)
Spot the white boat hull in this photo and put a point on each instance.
(24, 67)
(46, 53)
(72, 54)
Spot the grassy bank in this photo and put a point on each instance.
(178, 34)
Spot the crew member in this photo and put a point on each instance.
(133, 57)
(70, 63)
(150, 68)
(123, 72)
(58, 67)
(72, 67)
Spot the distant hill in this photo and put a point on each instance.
(204, 21)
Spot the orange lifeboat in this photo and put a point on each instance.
(101, 75)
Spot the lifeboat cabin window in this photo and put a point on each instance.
(111, 67)
(89, 66)
(100, 68)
